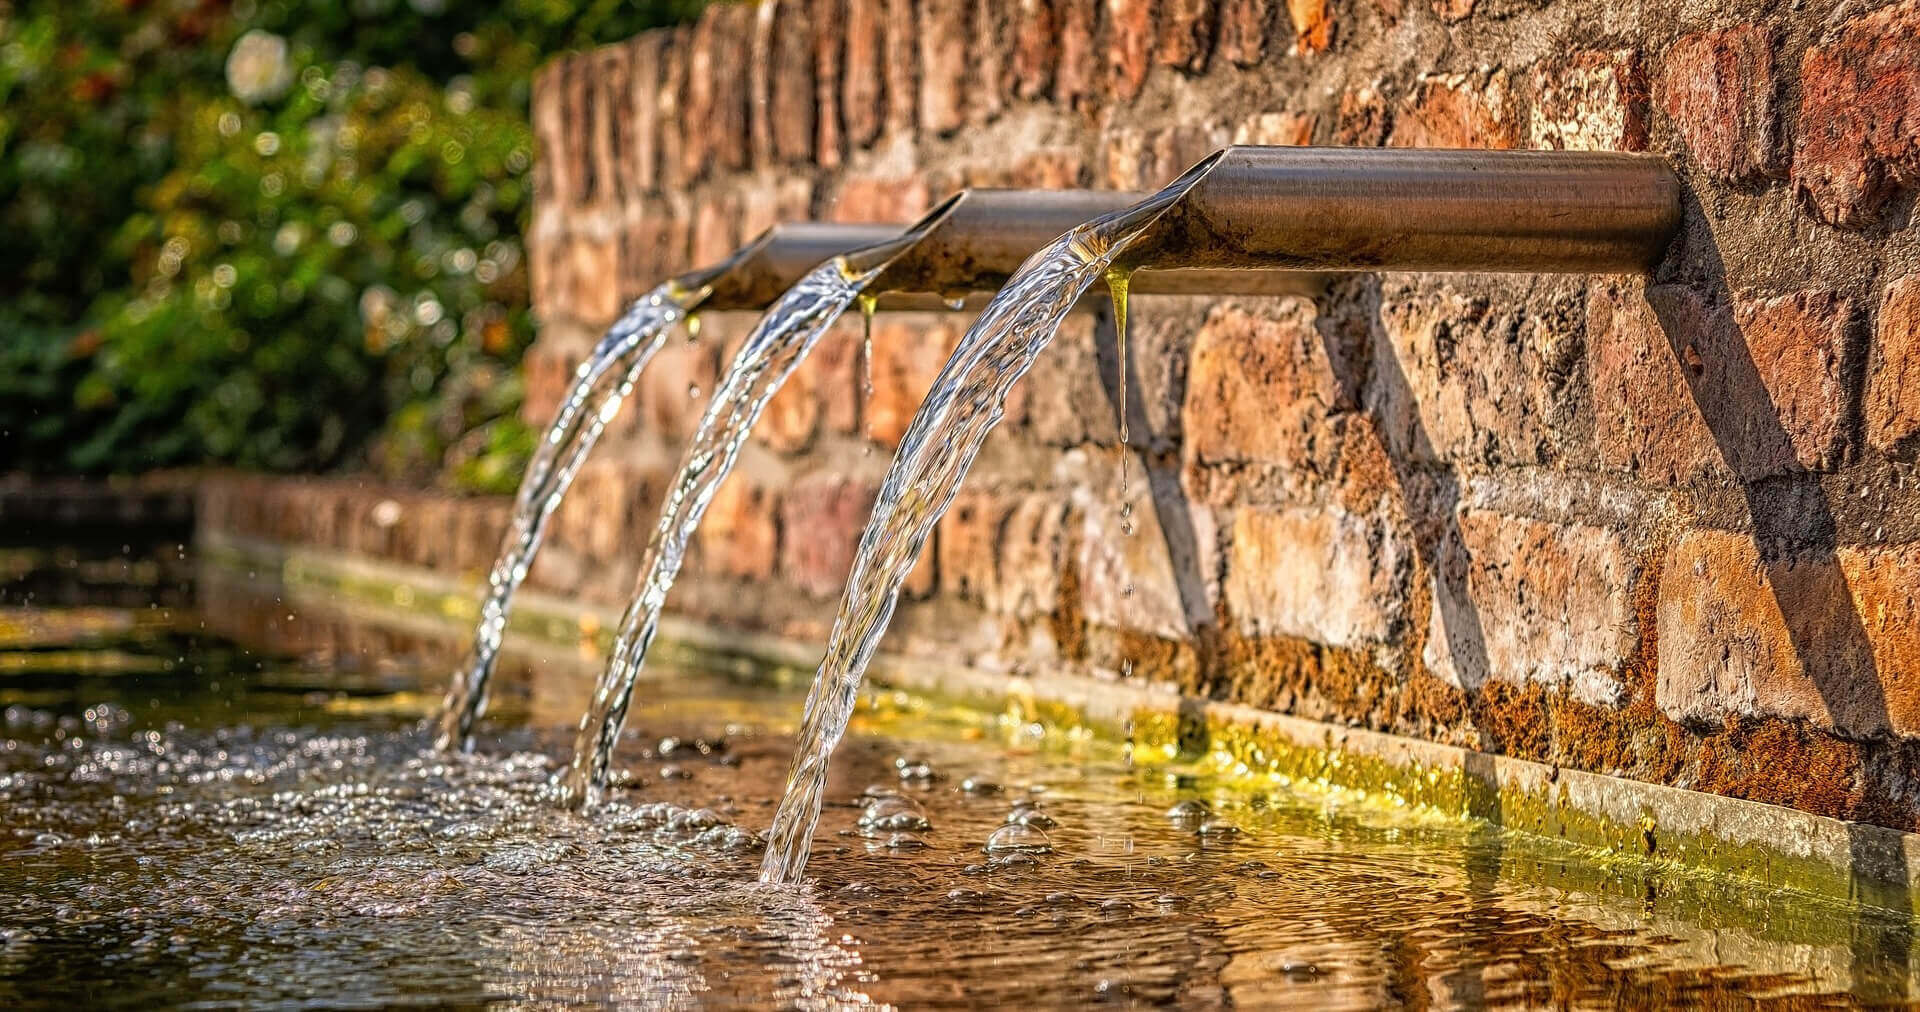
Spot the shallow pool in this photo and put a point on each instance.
(249, 816)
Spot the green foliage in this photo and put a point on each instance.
(279, 235)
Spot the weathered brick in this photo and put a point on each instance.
(1319, 574)
(1079, 58)
(992, 43)
(553, 184)
(1312, 25)
(823, 515)
(1141, 571)
(676, 385)
(1049, 170)
(1453, 10)
(791, 106)
(591, 268)
(863, 96)
(1458, 378)
(908, 353)
(1276, 128)
(670, 120)
(902, 57)
(824, 389)
(759, 75)
(611, 127)
(1893, 380)
(1594, 100)
(716, 228)
(1186, 34)
(946, 77)
(1642, 425)
(1261, 394)
(1362, 119)
(1243, 31)
(894, 201)
(774, 202)
(1458, 111)
(740, 534)
(1036, 43)
(577, 137)
(969, 545)
(1799, 353)
(716, 92)
(1129, 46)
(1074, 408)
(1859, 124)
(828, 48)
(1829, 638)
(1719, 90)
(1031, 552)
(1535, 602)
(641, 162)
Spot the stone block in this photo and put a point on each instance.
(740, 534)
(1893, 378)
(1718, 88)
(1858, 142)
(1320, 574)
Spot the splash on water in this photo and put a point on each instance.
(966, 401)
(779, 343)
(601, 383)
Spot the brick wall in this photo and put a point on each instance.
(1669, 530)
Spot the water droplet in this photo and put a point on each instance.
(975, 785)
(1015, 838)
(1191, 810)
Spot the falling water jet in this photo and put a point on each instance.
(1263, 213)
(601, 384)
(966, 401)
(778, 344)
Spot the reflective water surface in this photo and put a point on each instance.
(236, 804)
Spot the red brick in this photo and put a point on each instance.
(553, 182)
(992, 42)
(671, 123)
(716, 92)
(902, 57)
(1140, 581)
(893, 201)
(792, 104)
(641, 160)
(908, 354)
(1893, 379)
(740, 534)
(1129, 46)
(1186, 34)
(591, 267)
(1276, 128)
(829, 136)
(824, 515)
(1718, 88)
(1312, 25)
(946, 77)
(1458, 111)
(759, 79)
(1859, 137)
(1545, 602)
(1362, 120)
(1049, 170)
(1464, 381)
(676, 385)
(1319, 574)
(1261, 394)
(1031, 553)
(1243, 31)
(1831, 639)
(1075, 408)
(1642, 423)
(1768, 374)
(1036, 43)
(1080, 59)
(824, 389)
(771, 203)
(716, 228)
(862, 98)
(1589, 101)
(969, 545)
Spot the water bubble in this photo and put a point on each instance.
(1031, 817)
(1116, 906)
(894, 813)
(975, 785)
(915, 769)
(905, 841)
(1218, 829)
(674, 771)
(1016, 861)
(1016, 838)
(1190, 811)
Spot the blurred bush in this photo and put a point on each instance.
(279, 235)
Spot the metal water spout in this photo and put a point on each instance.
(1273, 221)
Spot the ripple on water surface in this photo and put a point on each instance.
(182, 843)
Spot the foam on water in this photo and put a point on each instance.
(600, 385)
